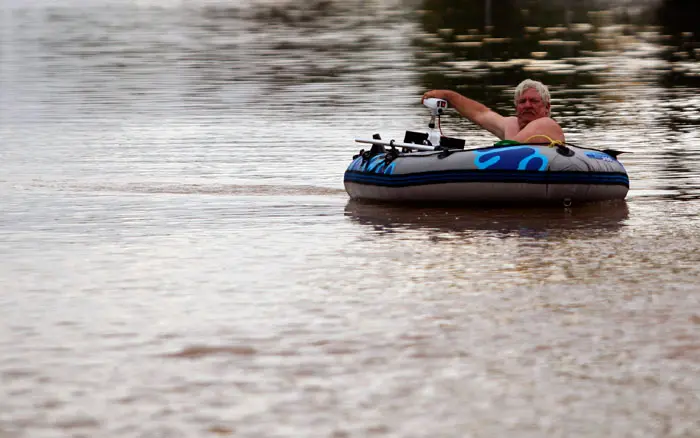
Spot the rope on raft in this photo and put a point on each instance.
(552, 142)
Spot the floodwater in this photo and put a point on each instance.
(179, 258)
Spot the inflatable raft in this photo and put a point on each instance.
(513, 173)
(429, 168)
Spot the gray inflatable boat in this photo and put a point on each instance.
(502, 173)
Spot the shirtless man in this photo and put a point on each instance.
(532, 109)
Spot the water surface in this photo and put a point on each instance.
(179, 257)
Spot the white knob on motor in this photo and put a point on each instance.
(437, 106)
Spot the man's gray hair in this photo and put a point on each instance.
(529, 83)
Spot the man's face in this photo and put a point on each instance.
(530, 107)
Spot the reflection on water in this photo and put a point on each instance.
(604, 65)
(617, 77)
(682, 50)
(577, 222)
(178, 256)
(594, 60)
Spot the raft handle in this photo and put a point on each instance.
(563, 150)
(445, 152)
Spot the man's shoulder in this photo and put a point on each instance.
(545, 122)
(544, 126)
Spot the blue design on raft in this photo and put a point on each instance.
(376, 164)
(511, 158)
(600, 156)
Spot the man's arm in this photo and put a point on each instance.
(540, 131)
(473, 110)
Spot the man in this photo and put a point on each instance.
(532, 109)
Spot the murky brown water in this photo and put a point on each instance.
(179, 257)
